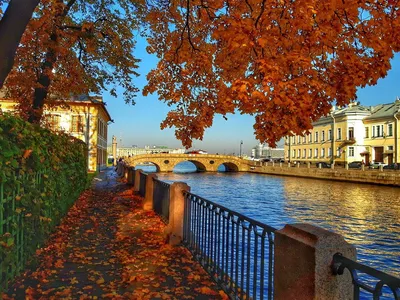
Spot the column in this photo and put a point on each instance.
(303, 256)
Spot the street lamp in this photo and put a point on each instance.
(240, 153)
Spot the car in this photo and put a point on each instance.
(376, 165)
(355, 165)
(323, 164)
(393, 166)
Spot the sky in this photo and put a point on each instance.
(140, 124)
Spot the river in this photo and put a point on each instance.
(368, 216)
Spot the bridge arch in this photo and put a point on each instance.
(200, 167)
(230, 166)
(141, 162)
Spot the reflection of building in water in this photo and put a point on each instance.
(264, 151)
(131, 151)
(364, 214)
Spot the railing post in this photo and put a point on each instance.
(131, 176)
(136, 186)
(362, 167)
(333, 165)
(381, 168)
(308, 165)
(176, 210)
(302, 266)
(148, 199)
(347, 165)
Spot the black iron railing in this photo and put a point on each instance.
(367, 280)
(142, 185)
(236, 250)
(161, 199)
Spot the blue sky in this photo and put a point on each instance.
(140, 124)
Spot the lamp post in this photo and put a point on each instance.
(240, 153)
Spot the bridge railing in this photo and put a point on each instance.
(251, 260)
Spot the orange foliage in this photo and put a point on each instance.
(81, 47)
(285, 62)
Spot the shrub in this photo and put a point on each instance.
(41, 175)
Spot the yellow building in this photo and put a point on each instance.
(353, 133)
(382, 133)
(83, 117)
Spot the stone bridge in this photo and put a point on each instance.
(203, 162)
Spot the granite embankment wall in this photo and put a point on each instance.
(386, 177)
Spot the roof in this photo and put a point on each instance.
(383, 111)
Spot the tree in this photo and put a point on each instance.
(75, 47)
(12, 26)
(283, 61)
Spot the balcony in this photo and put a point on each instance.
(347, 142)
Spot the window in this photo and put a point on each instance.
(299, 139)
(351, 151)
(323, 135)
(298, 153)
(288, 153)
(339, 133)
(310, 138)
(316, 137)
(351, 133)
(53, 121)
(310, 153)
(316, 152)
(390, 148)
(329, 152)
(294, 140)
(294, 153)
(323, 152)
(329, 134)
(77, 124)
(390, 130)
(304, 139)
(366, 132)
(377, 131)
(304, 153)
(338, 152)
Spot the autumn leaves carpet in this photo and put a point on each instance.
(107, 247)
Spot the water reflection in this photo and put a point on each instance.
(367, 216)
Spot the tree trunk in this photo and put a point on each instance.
(44, 80)
(12, 27)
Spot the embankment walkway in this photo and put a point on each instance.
(108, 247)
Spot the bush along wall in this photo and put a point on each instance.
(41, 176)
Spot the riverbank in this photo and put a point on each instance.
(389, 178)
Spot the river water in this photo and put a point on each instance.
(368, 216)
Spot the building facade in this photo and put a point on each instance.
(83, 117)
(353, 133)
(263, 151)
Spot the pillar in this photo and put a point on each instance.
(176, 212)
(148, 199)
(136, 186)
(302, 264)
